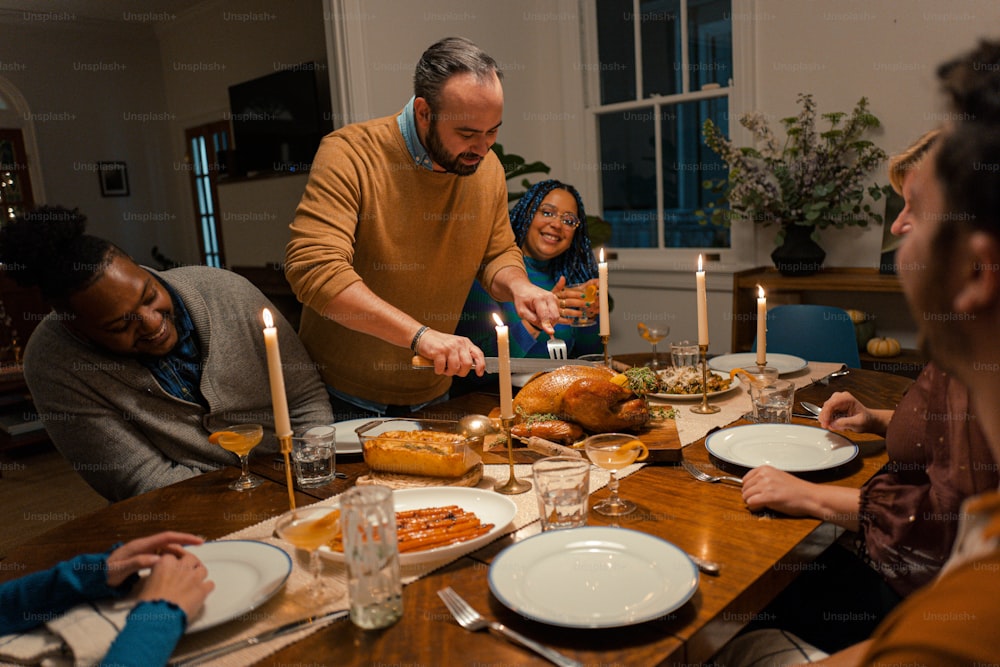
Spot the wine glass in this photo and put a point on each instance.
(614, 451)
(239, 440)
(310, 528)
(653, 334)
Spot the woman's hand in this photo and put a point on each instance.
(580, 301)
(766, 487)
(843, 412)
(180, 580)
(145, 552)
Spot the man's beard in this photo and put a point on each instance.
(441, 157)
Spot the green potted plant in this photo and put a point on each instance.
(811, 180)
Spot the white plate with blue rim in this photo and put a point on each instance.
(785, 363)
(788, 447)
(593, 577)
(246, 574)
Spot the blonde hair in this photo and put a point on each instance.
(902, 163)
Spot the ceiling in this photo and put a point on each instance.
(105, 10)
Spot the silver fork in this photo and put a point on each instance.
(470, 619)
(703, 476)
(557, 348)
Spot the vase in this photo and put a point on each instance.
(798, 255)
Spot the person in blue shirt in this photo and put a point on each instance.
(550, 226)
(173, 592)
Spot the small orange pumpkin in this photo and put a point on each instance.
(883, 347)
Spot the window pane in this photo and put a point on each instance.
(660, 30)
(628, 177)
(616, 50)
(687, 163)
(710, 42)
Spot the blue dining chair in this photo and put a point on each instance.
(815, 333)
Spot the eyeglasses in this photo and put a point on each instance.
(567, 219)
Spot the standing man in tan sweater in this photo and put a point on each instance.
(400, 215)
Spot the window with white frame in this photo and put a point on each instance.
(665, 66)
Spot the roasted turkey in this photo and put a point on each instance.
(583, 395)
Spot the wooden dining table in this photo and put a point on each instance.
(759, 553)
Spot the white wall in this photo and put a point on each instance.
(94, 93)
(841, 50)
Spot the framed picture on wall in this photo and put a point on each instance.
(114, 179)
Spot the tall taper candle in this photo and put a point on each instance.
(503, 352)
(702, 304)
(602, 290)
(761, 327)
(282, 425)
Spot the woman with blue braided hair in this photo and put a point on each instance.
(550, 226)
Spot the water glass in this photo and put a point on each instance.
(314, 456)
(684, 353)
(589, 293)
(368, 518)
(562, 485)
(772, 404)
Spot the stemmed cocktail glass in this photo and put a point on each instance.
(310, 528)
(653, 334)
(614, 451)
(239, 440)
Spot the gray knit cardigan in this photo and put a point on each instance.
(124, 434)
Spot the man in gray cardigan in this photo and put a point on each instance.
(135, 368)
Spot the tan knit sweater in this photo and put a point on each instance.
(416, 238)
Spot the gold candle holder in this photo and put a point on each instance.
(286, 449)
(604, 340)
(513, 485)
(705, 408)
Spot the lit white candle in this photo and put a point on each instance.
(602, 290)
(702, 304)
(503, 352)
(282, 425)
(761, 327)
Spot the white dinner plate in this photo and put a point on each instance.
(697, 397)
(347, 439)
(785, 363)
(489, 506)
(593, 577)
(246, 574)
(788, 447)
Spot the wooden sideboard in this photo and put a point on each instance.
(858, 281)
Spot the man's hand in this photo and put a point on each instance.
(452, 355)
(537, 306)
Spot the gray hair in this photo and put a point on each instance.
(445, 58)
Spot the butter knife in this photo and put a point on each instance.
(208, 654)
(517, 364)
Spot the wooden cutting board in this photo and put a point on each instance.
(660, 437)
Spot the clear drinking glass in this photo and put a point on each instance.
(684, 353)
(562, 484)
(239, 440)
(372, 555)
(772, 404)
(614, 451)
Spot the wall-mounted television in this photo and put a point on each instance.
(279, 119)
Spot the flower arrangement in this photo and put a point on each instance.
(814, 179)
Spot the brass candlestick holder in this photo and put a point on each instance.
(286, 450)
(705, 408)
(513, 485)
(604, 340)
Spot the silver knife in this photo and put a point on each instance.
(517, 364)
(208, 654)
